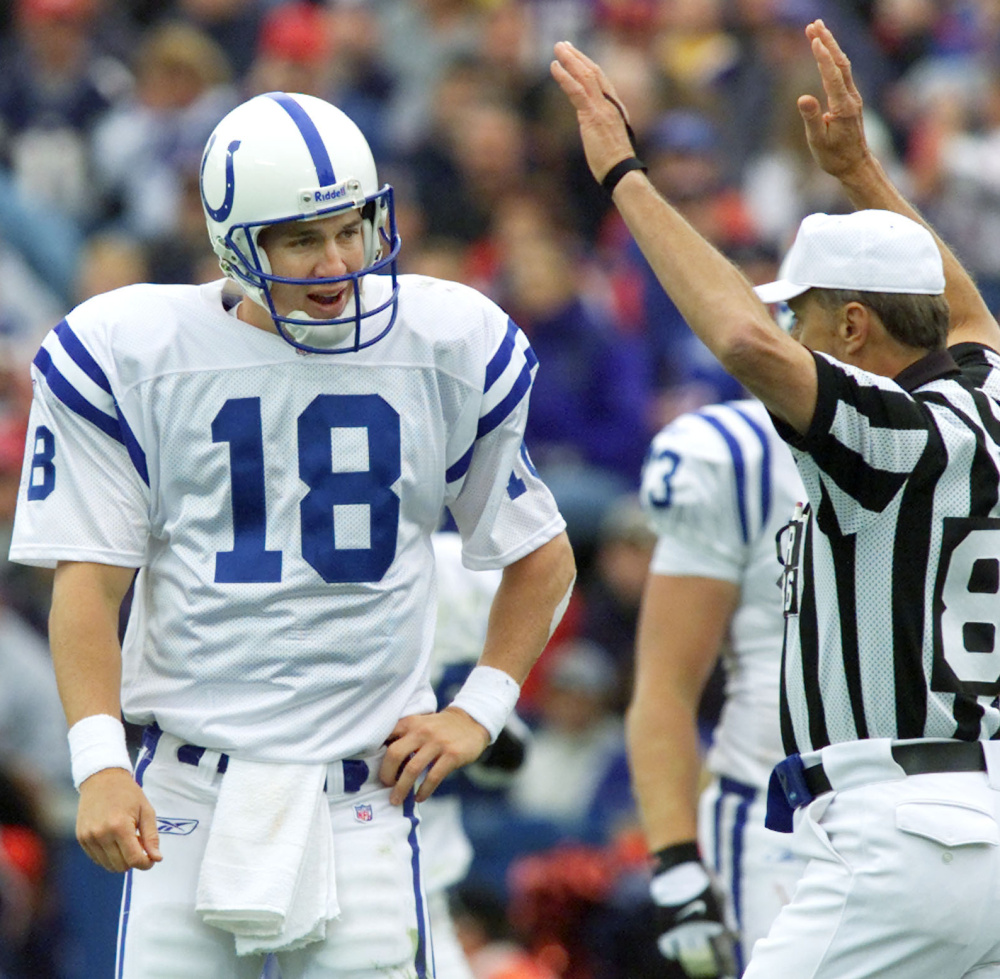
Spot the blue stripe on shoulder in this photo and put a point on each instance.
(499, 361)
(72, 398)
(460, 468)
(314, 142)
(132, 446)
(518, 390)
(765, 462)
(116, 428)
(739, 470)
(494, 369)
(81, 356)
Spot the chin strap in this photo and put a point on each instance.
(324, 334)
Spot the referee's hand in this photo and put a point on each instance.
(688, 916)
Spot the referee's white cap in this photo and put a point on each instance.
(866, 251)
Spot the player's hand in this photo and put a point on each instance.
(837, 135)
(115, 824)
(432, 745)
(599, 111)
(688, 916)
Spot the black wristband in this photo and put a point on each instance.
(619, 170)
(506, 754)
(671, 856)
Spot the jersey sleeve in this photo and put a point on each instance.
(865, 440)
(83, 494)
(502, 508)
(691, 487)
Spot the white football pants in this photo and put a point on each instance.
(903, 882)
(756, 868)
(383, 927)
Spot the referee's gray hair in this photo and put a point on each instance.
(917, 320)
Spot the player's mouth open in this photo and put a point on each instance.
(323, 299)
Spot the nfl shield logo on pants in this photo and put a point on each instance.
(363, 812)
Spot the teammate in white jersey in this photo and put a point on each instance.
(718, 485)
(272, 453)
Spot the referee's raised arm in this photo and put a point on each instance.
(714, 297)
(836, 137)
(890, 665)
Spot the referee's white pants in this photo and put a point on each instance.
(383, 927)
(756, 868)
(903, 882)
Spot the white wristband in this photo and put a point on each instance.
(95, 743)
(488, 696)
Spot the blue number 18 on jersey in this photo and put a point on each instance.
(239, 423)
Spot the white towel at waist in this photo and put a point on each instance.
(267, 875)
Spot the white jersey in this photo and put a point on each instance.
(718, 485)
(279, 505)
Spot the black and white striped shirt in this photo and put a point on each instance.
(892, 581)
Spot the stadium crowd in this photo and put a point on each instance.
(105, 107)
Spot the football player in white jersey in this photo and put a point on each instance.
(464, 600)
(271, 453)
(718, 485)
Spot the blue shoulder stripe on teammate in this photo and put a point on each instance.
(313, 140)
(765, 462)
(739, 470)
(115, 426)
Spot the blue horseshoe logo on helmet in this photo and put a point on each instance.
(221, 212)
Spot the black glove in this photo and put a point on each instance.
(688, 916)
(496, 767)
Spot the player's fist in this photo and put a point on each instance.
(688, 916)
(115, 824)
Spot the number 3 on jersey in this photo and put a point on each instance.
(351, 493)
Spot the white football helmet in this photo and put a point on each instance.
(282, 157)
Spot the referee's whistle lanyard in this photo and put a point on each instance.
(788, 542)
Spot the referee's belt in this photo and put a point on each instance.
(794, 784)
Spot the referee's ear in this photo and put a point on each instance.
(858, 326)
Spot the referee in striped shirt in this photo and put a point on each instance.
(891, 666)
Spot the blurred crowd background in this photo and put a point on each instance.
(105, 106)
